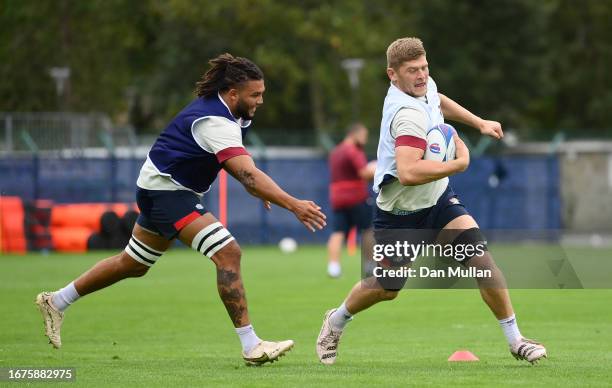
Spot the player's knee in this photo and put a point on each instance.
(470, 244)
(229, 256)
(390, 286)
(139, 271)
(482, 262)
(388, 294)
(138, 257)
(485, 264)
(130, 267)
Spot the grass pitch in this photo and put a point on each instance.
(170, 328)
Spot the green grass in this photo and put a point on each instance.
(169, 328)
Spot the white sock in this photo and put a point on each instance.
(510, 328)
(248, 338)
(340, 317)
(63, 298)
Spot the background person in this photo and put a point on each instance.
(349, 194)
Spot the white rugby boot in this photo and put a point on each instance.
(528, 350)
(52, 318)
(329, 338)
(266, 351)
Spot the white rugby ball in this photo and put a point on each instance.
(287, 245)
(440, 143)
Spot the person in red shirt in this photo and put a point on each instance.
(349, 195)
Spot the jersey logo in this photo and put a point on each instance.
(198, 206)
(435, 148)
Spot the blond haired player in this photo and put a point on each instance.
(414, 193)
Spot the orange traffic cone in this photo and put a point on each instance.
(463, 355)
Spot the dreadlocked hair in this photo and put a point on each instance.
(226, 72)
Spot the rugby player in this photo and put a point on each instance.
(205, 137)
(414, 193)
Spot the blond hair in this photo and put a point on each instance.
(404, 49)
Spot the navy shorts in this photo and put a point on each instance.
(166, 212)
(436, 217)
(358, 215)
(433, 219)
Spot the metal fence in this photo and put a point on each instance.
(56, 131)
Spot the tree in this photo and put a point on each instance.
(538, 66)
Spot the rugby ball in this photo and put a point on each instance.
(287, 245)
(440, 143)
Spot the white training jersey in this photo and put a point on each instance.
(405, 122)
(215, 135)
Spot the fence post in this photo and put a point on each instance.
(107, 140)
(264, 225)
(263, 166)
(8, 136)
(553, 161)
(31, 145)
(135, 163)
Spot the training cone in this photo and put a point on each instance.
(463, 355)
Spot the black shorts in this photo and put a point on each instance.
(436, 217)
(359, 215)
(431, 220)
(166, 212)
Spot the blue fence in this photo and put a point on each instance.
(501, 193)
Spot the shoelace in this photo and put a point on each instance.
(331, 337)
(532, 342)
(524, 350)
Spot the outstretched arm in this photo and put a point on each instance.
(258, 184)
(455, 112)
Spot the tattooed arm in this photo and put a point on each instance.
(256, 182)
(260, 185)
